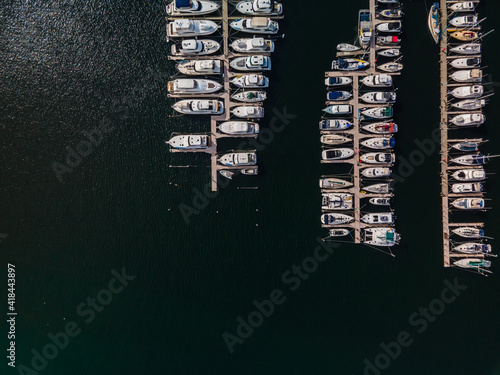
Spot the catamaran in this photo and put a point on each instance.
(384, 237)
(199, 67)
(336, 201)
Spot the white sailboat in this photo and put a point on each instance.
(469, 232)
(467, 92)
(379, 143)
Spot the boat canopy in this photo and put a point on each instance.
(183, 3)
(260, 22)
(186, 84)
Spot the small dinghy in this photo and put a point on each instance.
(377, 80)
(346, 47)
(250, 96)
(388, 40)
(338, 81)
(330, 183)
(227, 174)
(465, 36)
(469, 232)
(464, 21)
(379, 143)
(191, 7)
(378, 188)
(389, 52)
(463, 6)
(471, 187)
(251, 81)
(253, 45)
(239, 127)
(378, 112)
(384, 237)
(349, 64)
(380, 201)
(340, 232)
(260, 7)
(467, 49)
(473, 248)
(391, 13)
(337, 154)
(390, 27)
(236, 159)
(250, 171)
(475, 174)
(376, 172)
(193, 47)
(338, 95)
(199, 107)
(466, 92)
(257, 25)
(469, 203)
(379, 218)
(471, 160)
(246, 111)
(251, 63)
(334, 124)
(379, 97)
(467, 146)
(381, 128)
(467, 76)
(185, 28)
(466, 62)
(378, 158)
(335, 219)
(336, 201)
(338, 109)
(473, 263)
(470, 104)
(199, 67)
(188, 86)
(190, 141)
(390, 67)
(334, 139)
(469, 119)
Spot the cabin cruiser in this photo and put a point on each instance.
(260, 7)
(193, 47)
(330, 183)
(471, 160)
(346, 47)
(190, 141)
(390, 27)
(251, 81)
(470, 104)
(189, 86)
(379, 218)
(239, 127)
(377, 112)
(338, 109)
(378, 80)
(186, 28)
(338, 232)
(472, 187)
(378, 158)
(376, 172)
(248, 111)
(365, 26)
(389, 52)
(199, 107)
(253, 45)
(473, 263)
(349, 64)
(467, 49)
(464, 21)
(473, 248)
(469, 232)
(390, 67)
(466, 62)
(336, 201)
(378, 188)
(463, 6)
(338, 81)
(334, 139)
(466, 92)
(191, 7)
(334, 124)
(467, 146)
(385, 237)
(236, 159)
(381, 128)
(389, 40)
(471, 174)
(469, 119)
(469, 203)
(335, 219)
(337, 153)
(380, 201)
(252, 96)
(199, 67)
(257, 25)
(467, 76)
(391, 13)
(379, 143)
(338, 95)
(251, 63)
(379, 97)
(464, 35)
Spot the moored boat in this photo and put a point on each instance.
(378, 158)
(188, 86)
(346, 47)
(335, 219)
(251, 96)
(389, 40)
(469, 232)
(377, 172)
(469, 187)
(379, 143)
(189, 141)
(334, 124)
(343, 109)
(464, 21)
(467, 76)
(334, 139)
(191, 7)
(377, 112)
(473, 248)
(470, 104)
(389, 52)
(260, 7)
(337, 154)
(365, 32)
(471, 160)
(332, 183)
(186, 28)
(433, 22)
(390, 67)
(467, 49)
(466, 62)
(193, 47)
(349, 64)
(390, 27)
(246, 111)
(467, 92)
(469, 203)
(473, 263)
(199, 107)
(380, 201)
(383, 188)
(377, 80)
(338, 95)
(463, 6)
(379, 97)
(338, 81)
(239, 127)
(467, 146)
(381, 128)
(336, 201)
(236, 159)
(469, 174)
(257, 25)
(199, 67)
(338, 232)
(384, 237)
(468, 119)
(251, 63)
(252, 45)
(251, 81)
(465, 35)
(391, 13)
(378, 218)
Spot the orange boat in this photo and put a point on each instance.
(465, 36)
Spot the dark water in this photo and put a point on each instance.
(68, 66)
